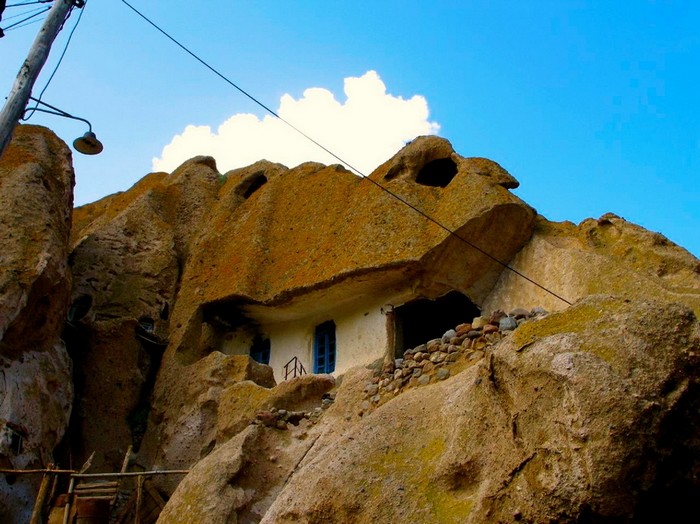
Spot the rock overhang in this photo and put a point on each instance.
(312, 227)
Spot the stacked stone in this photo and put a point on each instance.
(431, 361)
(280, 418)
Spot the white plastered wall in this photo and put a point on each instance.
(361, 337)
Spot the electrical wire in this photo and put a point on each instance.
(9, 27)
(28, 24)
(347, 164)
(42, 9)
(29, 3)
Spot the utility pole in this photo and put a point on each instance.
(22, 89)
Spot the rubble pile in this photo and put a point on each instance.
(281, 418)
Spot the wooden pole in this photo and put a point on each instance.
(66, 509)
(36, 471)
(37, 513)
(127, 456)
(76, 474)
(29, 72)
(139, 495)
(131, 473)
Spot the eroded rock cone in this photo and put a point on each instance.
(36, 390)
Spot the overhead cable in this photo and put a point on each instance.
(347, 164)
(29, 3)
(43, 9)
(39, 12)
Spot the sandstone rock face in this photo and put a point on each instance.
(238, 481)
(36, 197)
(214, 255)
(345, 226)
(240, 402)
(128, 251)
(608, 255)
(582, 416)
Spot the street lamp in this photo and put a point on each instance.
(88, 144)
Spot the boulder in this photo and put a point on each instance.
(36, 393)
(184, 421)
(239, 480)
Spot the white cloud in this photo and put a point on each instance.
(365, 130)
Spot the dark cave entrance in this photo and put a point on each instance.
(421, 320)
(437, 173)
(251, 184)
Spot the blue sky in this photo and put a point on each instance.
(592, 105)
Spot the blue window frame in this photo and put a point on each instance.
(260, 350)
(324, 348)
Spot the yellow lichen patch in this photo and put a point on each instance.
(15, 156)
(22, 150)
(573, 320)
(448, 506)
(413, 464)
(586, 317)
(237, 407)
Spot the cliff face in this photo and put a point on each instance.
(586, 414)
(568, 417)
(36, 386)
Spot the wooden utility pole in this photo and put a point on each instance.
(29, 72)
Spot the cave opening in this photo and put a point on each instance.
(437, 173)
(421, 320)
(79, 308)
(251, 184)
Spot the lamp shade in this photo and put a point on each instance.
(88, 144)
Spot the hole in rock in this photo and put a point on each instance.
(251, 184)
(437, 173)
(79, 308)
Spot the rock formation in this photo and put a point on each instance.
(266, 245)
(585, 414)
(36, 200)
(128, 251)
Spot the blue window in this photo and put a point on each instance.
(260, 350)
(324, 348)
